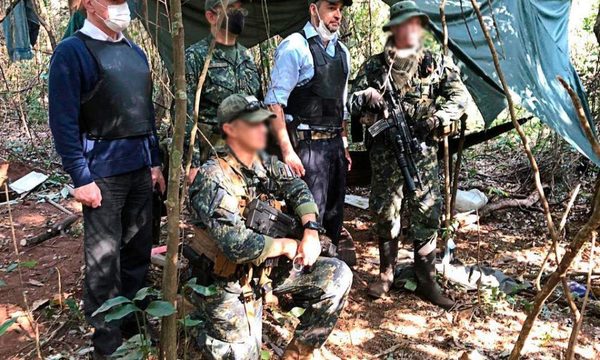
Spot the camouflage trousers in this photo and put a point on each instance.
(388, 198)
(228, 332)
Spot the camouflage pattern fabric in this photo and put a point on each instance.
(436, 89)
(232, 70)
(218, 194)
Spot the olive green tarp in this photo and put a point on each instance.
(532, 40)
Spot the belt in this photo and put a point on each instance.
(318, 135)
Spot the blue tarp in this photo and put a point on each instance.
(534, 49)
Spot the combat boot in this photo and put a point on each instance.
(388, 252)
(297, 350)
(427, 286)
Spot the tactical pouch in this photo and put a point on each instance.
(203, 244)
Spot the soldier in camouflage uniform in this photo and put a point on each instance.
(238, 173)
(432, 96)
(231, 70)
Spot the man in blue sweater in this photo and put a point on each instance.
(102, 119)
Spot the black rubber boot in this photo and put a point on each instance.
(388, 252)
(427, 286)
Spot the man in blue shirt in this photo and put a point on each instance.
(308, 94)
(102, 120)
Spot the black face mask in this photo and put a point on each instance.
(236, 19)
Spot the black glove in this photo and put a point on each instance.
(424, 128)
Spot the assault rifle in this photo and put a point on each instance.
(397, 132)
(268, 220)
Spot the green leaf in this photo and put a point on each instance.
(203, 290)
(189, 322)
(5, 325)
(11, 267)
(410, 285)
(28, 264)
(145, 292)
(265, 355)
(120, 312)
(111, 303)
(2, 283)
(130, 349)
(296, 312)
(160, 308)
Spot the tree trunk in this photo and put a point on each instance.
(597, 26)
(168, 338)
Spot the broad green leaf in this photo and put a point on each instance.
(410, 285)
(145, 292)
(28, 264)
(11, 267)
(265, 355)
(110, 303)
(203, 290)
(2, 283)
(160, 308)
(5, 325)
(120, 312)
(297, 312)
(189, 322)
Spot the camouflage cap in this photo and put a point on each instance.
(404, 10)
(211, 4)
(247, 108)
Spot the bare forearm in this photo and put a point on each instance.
(279, 129)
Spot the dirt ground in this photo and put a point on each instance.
(400, 326)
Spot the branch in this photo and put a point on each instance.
(506, 203)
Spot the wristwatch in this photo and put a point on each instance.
(313, 225)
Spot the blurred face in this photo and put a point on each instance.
(408, 34)
(251, 137)
(330, 14)
(217, 16)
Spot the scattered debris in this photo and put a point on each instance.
(470, 200)
(360, 202)
(28, 182)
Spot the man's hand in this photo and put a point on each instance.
(293, 161)
(192, 175)
(309, 248)
(348, 158)
(89, 195)
(157, 178)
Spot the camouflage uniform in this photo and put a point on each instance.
(419, 103)
(419, 81)
(228, 331)
(231, 70)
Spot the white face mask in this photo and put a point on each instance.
(323, 31)
(119, 17)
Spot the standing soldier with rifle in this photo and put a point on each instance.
(232, 247)
(395, 95)
(231, 70)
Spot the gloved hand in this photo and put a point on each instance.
(424, 128)
(372, 100)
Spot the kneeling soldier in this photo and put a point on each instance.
(239, 173)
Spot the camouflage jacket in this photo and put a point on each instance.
(231, 71)
(224, 186)
(436, 89)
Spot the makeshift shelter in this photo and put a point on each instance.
(531, 38)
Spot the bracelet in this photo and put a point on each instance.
(345, 141)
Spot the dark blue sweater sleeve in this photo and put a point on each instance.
(154, 147)
(64, 93)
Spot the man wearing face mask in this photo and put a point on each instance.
(419, 79)
(102, 120)
(231, 70)
(308, 94)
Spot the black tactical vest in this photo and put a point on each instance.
(320, 102)
(120, 105)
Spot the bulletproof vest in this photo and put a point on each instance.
(120, 105)
(320, 102)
